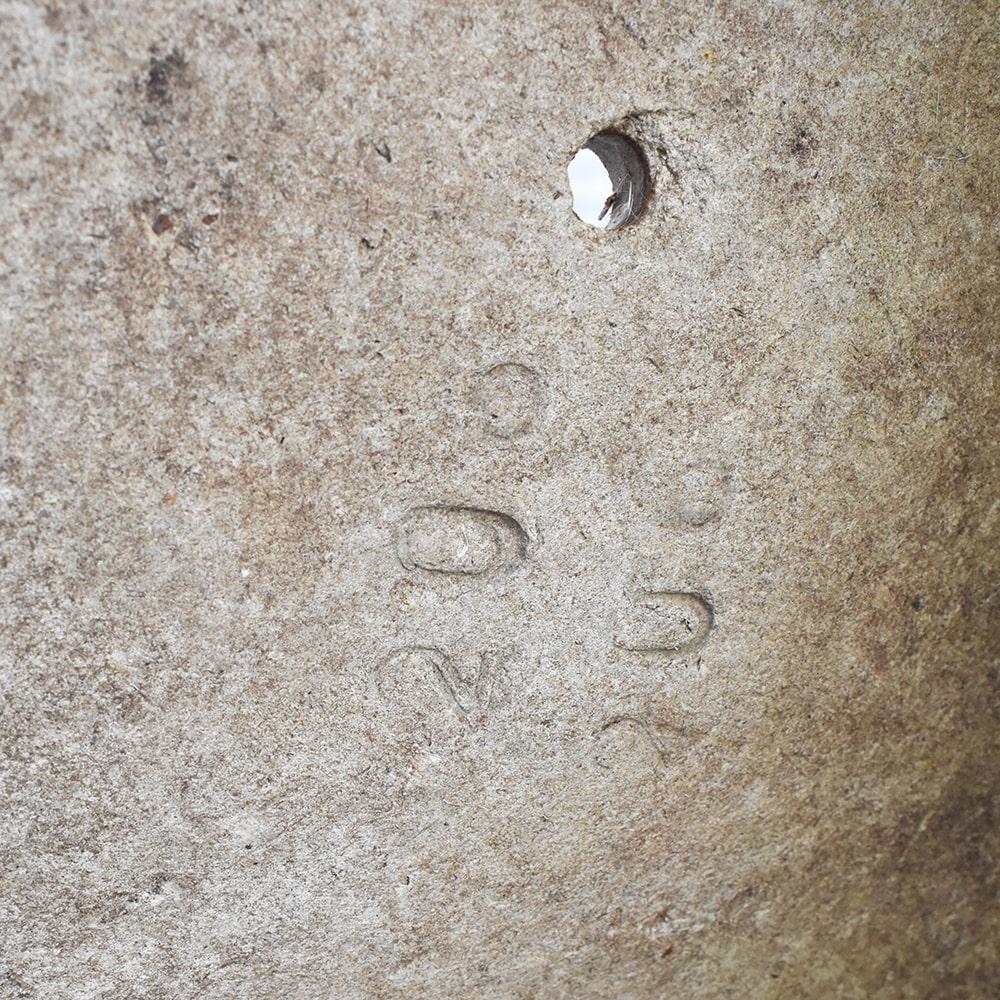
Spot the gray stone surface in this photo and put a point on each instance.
(409, 591)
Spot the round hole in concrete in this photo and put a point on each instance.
(609, 179)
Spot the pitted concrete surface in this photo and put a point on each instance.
(409, 591)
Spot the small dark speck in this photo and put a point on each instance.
(248, 846)
(803, 142)
(917, 603)
(163, 72)
(383, 151)
(162, 224)
(210, 218)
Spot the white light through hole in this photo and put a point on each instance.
(592, 188)
(609, 178)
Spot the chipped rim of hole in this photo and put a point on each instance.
(626, 171)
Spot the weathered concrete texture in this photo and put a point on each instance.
(409, 592)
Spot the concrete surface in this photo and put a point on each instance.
(410, 592)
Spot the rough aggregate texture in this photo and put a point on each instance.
(660, 661)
